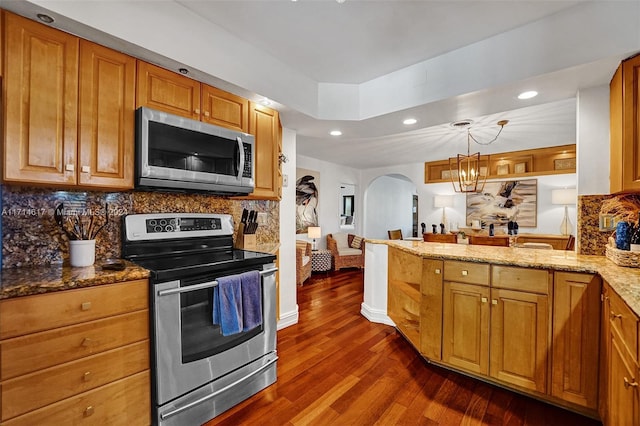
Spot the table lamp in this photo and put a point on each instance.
(564, 197)
(443, 201)
(314, 232)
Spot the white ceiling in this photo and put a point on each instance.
(352, 65)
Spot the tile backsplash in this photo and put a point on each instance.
(30, 235)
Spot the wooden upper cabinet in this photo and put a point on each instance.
(224, 109)
(264, 124)
(167, 91)
(40, 100)
(107, 117)
(625, 125)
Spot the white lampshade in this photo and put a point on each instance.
(314, 232)
(443, 201)
(563, 196)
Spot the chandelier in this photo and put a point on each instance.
(469, 172)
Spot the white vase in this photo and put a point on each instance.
(82, 252)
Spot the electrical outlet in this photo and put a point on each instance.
(262, 218)
(285, 180)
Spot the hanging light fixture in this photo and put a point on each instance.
(469, 172)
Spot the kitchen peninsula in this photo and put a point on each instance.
(539, 322)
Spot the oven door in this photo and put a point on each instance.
(190, 350)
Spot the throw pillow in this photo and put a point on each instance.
(356, 243)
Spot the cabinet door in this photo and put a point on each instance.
(576, 323)
(465, 335)
(167, 91)
(520, 338)
(225, 109)
(622, 403)
(40, 103)
(625, 125)
(107, 120)
(264, 124)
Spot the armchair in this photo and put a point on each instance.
(303, 261)
(344, 254)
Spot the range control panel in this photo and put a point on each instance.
(182, 224)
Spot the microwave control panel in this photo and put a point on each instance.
(247, 160)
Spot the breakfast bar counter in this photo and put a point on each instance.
(625, 281)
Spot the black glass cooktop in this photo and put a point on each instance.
(167, 268)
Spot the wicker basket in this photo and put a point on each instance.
(622, 257)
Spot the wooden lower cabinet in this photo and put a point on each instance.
(520, 339)
(465, 320)
(576, 338)
(622, 402)
(404, 297)
(89, 363)
(431, 309)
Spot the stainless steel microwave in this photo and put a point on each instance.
(177, 153)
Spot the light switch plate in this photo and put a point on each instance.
(285, 180)
(607, 222)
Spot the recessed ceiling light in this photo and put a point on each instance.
(183, 71)
(335, 133)
(528, 95)
(45, 18)
(265, 101)
(410, 121)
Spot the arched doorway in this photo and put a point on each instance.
(388, 204)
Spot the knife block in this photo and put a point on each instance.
(245, 241)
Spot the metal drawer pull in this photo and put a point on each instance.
(203, 285)
(465, 273)
(484, 299)
(437, 271)
(88, 411)
(216, 393)
(85, 306)
(86, 376)
(86, 169)
(494, 301)
(69, 167)
(86, 342)
(630, 384)
(614, 315)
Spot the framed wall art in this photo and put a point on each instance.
(502, 201)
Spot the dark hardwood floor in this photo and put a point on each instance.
(337, 368)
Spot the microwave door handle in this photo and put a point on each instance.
(240, 157)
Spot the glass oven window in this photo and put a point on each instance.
(200, 337)
(168, 147)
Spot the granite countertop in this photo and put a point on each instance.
(625, 281)
(26, 281)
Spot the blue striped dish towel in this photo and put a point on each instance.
(227, 304)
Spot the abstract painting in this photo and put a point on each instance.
(503, 201)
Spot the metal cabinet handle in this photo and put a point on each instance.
(437, 271)
(630, 384)
(85, 169)
(70, 167)
(88, 411)
(206, 114)
(614, 315)
(484, 299)
(494, 301)
(197, 111)
(85, 306)
(87, 342)
(87, 376)
(465, 273)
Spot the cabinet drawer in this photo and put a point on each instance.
(62, 381)
(124, 402)
(29, 314)
(466, 272)
(624, 322)
(520, 279)
(22, 355)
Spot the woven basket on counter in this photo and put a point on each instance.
(622, 257)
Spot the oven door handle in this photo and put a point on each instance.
(179, 410)
(203, 285)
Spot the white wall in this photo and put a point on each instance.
(329, 207)
(388, 205)
(593, 140)
(287, 274)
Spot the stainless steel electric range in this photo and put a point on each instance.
(197, 371)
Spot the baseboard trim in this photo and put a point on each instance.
(288, 319)
(375, 315)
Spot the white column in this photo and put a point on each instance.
(374, 306)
